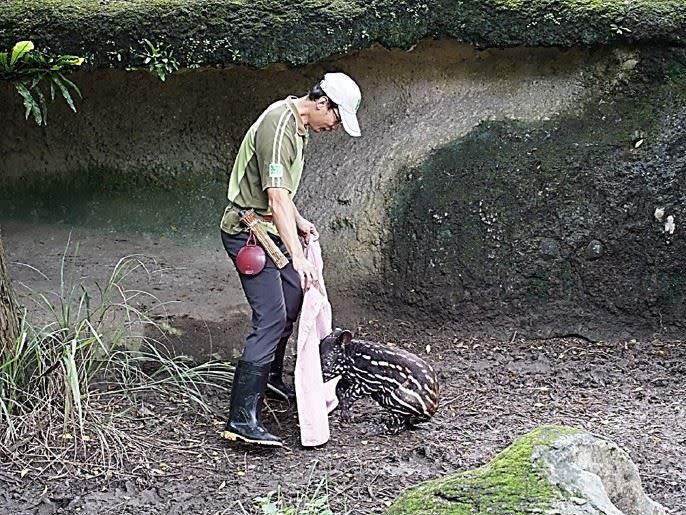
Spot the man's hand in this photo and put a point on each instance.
(306, 229)
(309, 275)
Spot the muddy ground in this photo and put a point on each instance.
(633, 392)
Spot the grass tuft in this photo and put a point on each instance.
(75, 384)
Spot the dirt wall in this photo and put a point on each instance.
(132, 129)
(440, 108)
(567, 225)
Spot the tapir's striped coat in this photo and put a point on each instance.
(398, 380)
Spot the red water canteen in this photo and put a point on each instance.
(251, 258)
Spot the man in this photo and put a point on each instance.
(265, 178)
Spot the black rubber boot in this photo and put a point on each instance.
(279, 389)
(245, 419)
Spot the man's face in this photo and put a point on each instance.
(325, 118)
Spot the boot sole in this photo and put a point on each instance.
(235, 437)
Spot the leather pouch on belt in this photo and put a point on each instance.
(251, 259)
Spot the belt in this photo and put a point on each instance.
(238, 209)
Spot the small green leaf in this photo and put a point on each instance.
(42, 105)
(70, 60)
(65, 92)
(19, 50)
(28, 98)
(70, 84)
(3, 60)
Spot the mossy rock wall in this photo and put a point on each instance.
(262, 32)
(560, 226)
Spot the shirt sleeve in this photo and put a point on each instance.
(275, 148)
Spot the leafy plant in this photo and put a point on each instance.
(31, 70)
(158, 60)
(314, 503)
(277, 506)
(618, 29)
(235, 54)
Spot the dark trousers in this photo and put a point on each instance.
(275, 297)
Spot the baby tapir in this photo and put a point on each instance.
(398, 380)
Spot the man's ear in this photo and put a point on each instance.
(322, 103)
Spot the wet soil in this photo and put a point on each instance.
(632, 392)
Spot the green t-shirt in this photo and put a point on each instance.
(270, 156)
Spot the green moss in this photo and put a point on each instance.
(261, 32)
(188, 206)
(567, 280)
(341, 224)
(672, 295)
(538, 289)
(512, 483)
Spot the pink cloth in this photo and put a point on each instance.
(315, 398)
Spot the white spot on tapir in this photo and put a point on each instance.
(670, 226)
(659, 213)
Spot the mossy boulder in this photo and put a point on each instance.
(261, 32)
(553, 469)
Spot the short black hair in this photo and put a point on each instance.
(316, 92)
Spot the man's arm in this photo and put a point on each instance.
(285, 216)
(306, 229)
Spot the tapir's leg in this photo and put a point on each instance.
(347, 393)
(391, 425)
(404, 408)
(396, 423)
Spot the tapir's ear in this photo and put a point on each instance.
(345, 337)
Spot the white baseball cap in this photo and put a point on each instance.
(345, 93)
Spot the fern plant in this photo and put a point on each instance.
(159, 60)
(32, 71)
